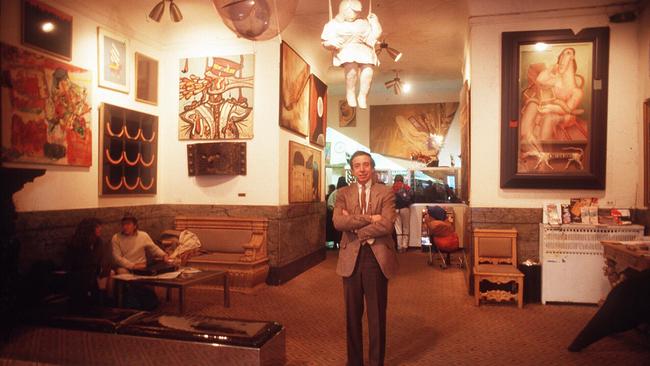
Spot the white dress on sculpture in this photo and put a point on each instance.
(353, 42)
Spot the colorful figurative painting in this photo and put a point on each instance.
(216, 98)
(294, 91)
(128, 160)
(113, 56)
(305, 173)
(410, 131)
(317, 111)
(46, 108)
(555, 86)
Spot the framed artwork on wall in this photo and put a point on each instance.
(46, 106)
(347, 114)
(294, 91)
(554, 109)
(128, 146)
(46, 29)
(646, 152)
(146, 79)
(305, 173)
(113, 55)
(216, 98)
(317, 111)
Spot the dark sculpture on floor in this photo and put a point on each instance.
(626, 307)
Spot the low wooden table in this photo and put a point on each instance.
(624, 260)
(181, 282)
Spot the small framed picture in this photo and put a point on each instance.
(146, 79)
(46, 29)
(113, 55)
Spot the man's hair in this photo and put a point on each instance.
(129, 218)
(399, 178)
(359, 153)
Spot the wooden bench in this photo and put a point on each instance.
(234, 244)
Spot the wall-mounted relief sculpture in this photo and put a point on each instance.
(305, 172)
(45, 109)
(128, 151)
(216, 98)
(216, 158)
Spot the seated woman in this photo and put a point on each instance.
(441, 230)
(88, 262)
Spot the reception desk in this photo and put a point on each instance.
(460, 213)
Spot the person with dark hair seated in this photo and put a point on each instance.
(88, 263)
(441, 231)
(626, 307)
(131, 249)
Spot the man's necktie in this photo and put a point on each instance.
(363, 199)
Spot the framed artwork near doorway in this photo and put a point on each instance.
(554, 109)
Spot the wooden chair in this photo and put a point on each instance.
(495, 266)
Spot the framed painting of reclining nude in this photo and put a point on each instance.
(554, 109)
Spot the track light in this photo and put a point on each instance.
(393, 53)
(395, 84)
(174, 12)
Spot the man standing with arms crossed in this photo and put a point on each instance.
(365, 213)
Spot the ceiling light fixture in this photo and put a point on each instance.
(174, 12)
(395, 84)
(256, 20)
(393, 53)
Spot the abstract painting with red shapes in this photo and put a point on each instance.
(216, 98)
(45, 109)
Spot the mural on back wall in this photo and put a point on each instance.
(216, 98)
(46, 108)
(305, 172)
(294, 91)
(410, 131)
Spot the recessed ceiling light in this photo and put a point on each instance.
(406, 87)
(47, 27)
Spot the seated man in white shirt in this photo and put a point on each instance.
(131, 247)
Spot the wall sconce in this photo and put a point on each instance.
(393, 53)
(174, 12)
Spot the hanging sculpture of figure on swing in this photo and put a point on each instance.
(352, 41)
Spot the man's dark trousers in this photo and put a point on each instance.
(366, 280)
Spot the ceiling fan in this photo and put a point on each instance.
(395, 84)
